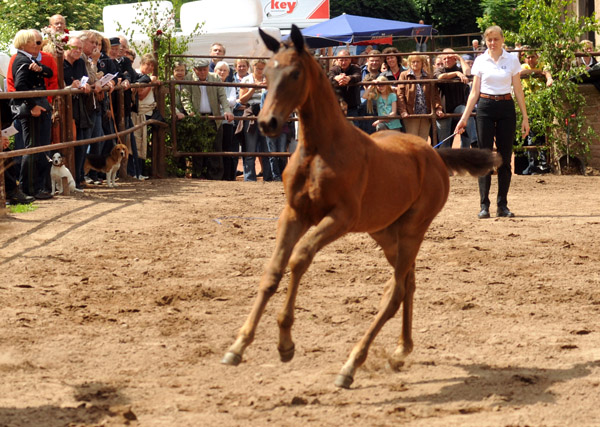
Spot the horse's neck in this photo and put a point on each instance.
(320, 117)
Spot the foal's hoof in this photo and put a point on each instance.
(343, 381)
(397, 360)
(231, 359)
(286, 355)
(396, 364)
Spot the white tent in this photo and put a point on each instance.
(126, 14)
(218, 15)
(233, 23)
(4, 60)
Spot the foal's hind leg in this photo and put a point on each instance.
(405, 344)
(395, 293)
(290, 229)
(328, 230)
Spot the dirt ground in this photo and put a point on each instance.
(118, 304)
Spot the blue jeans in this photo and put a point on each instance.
(353, 112)
(96, 148)
(445, 129)
(366, 125)
(133, 165)
(277, 163)
(80, 152)
(254, 143)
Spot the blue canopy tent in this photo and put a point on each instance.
(354, 29)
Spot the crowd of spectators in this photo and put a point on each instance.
(230, 102)
(85, 59)
(89, 56)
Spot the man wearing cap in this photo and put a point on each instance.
(454, 97)
(209, 100)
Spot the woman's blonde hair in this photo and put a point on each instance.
(384, 79)
(258, 61)
(372, 95)
(23, 37)
(418, 57)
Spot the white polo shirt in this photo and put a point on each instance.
(496, 77)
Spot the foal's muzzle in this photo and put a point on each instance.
(270, 126)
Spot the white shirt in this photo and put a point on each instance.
(204, 102)
(496, 77)
(232, 98)
(255, 99)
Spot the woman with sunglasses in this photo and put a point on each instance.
(34, 113)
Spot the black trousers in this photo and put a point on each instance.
(496, 123)
(35, 168)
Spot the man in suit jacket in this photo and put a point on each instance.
(210, 100)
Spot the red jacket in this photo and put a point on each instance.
(51, 83)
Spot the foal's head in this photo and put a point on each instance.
(287, 81)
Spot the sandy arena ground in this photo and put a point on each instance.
(118, 304)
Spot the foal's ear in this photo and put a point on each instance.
(271, 43)
(297, 38)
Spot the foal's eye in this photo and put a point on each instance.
(295, 74)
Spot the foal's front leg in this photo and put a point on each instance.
(329, 229)
(290, 229)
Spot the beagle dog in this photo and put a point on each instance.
(58, 171)
(108, 164)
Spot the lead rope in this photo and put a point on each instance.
(114, 119)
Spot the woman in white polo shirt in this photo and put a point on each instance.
(495, 73)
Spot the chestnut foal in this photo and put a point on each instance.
(340, 180)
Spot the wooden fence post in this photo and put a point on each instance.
(159, 152)
(68, 126)
(121, 127)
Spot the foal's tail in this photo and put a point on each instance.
(473, 161)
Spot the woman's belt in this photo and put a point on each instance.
(505, 97)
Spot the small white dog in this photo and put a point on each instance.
(58, 172)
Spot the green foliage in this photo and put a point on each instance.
(504, 13)
(400, 10)
(7, 32)
(194, 134)
(159, 29)
(547, 27)
(23, 14)
(22, 208)
(450, 17)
